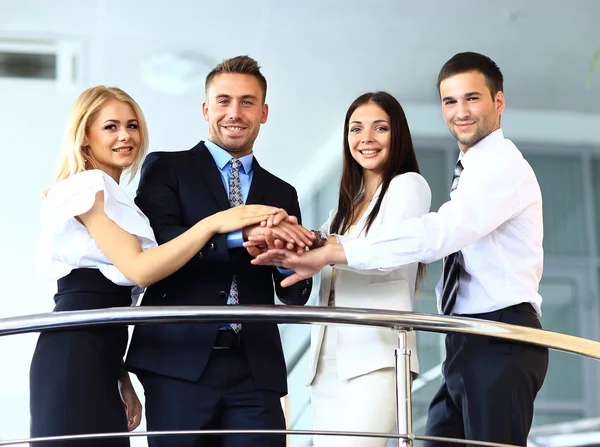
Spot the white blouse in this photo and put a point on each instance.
(65, 244)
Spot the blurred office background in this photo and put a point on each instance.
(317, 56)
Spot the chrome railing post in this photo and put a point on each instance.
(403, 386)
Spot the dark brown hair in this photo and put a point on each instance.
(401, 159)
(469, 61)
(240, 65)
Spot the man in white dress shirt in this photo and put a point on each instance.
(490, 237)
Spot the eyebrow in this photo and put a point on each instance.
(448, 98)
(224, 95)
(117, 121)
(374, 122)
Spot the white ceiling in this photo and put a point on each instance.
(318, 55)
(341, 47)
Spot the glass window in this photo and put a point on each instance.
(433, 166)
(596, 195)
(27, 65)
(564, 209)
(560, 313)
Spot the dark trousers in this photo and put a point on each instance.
(489, 384)
(224, 398)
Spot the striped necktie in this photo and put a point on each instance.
(235, 199)
(451, 262)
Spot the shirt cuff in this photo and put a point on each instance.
(235, 239)
(360, 254)
(285, 272)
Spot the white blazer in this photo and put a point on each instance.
(362, 349)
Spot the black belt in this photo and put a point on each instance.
(521, 307)
(227, 339)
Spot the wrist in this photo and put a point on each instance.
(321, 238)
(334, 254)
(247, 231)
(209, 225)
(124, 380)
(332, 239)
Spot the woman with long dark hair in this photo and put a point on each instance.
(352, 376)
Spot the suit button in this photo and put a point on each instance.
(212, 246)
(200, 255)
(222, 294)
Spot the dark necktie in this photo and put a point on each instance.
(451, 262)
(235, 199)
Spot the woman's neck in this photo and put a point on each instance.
(371, 181)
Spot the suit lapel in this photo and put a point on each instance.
(210, 174)
(259, 184)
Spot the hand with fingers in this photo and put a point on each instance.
(277, 234)
(133, 407)
(240, 217)
(281, 216)
(304, 266)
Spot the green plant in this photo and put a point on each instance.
(595, 60)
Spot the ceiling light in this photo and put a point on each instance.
(175, 73)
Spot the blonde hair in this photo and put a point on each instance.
(73, 157)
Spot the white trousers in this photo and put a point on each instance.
(363, 403)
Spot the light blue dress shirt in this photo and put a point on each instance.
(222, 159)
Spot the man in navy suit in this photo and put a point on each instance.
(215, 375)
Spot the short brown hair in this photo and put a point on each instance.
(240, 65)
(469, 61)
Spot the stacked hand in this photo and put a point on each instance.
(273, 237)
(304, 264)
(280, 241)
(277, 231)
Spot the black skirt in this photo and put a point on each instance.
(74, 372)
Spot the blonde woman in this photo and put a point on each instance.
(97, 245)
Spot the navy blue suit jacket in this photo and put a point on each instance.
(176, 190)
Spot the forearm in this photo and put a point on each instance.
(334, 254)
(391, 250)
(160, 262)
(216, 248)
(337, 256)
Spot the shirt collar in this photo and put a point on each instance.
(222, 157)
(487, 142)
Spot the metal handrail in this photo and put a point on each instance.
(301, 314)
(396, 320)
(138, 434)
